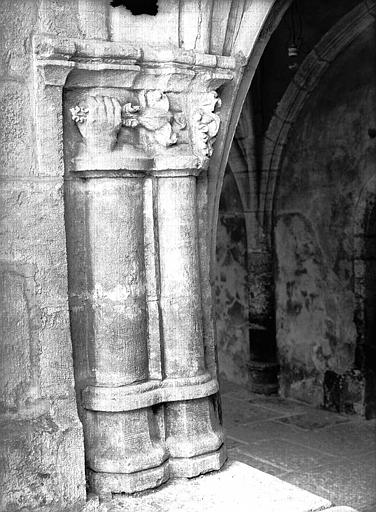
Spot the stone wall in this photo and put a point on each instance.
(41, 461)
(330, 157)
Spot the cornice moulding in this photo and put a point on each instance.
(78, 51)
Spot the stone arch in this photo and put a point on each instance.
(260, 356)
(317, 62)
(250, 44)
(232, 149)
(231, 284)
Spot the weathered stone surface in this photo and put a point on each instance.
(232, 301)
(314, 230)
(17, 22)
(131, 188)
(180, 287)
(322, 443)
(18, 350)
(93, 19)
(238, 487)
(16, 157)
(126, 27)
(42, 460)
(116, 353)
(59, 18)
(40, 464)
(192, 428)
(107, 279)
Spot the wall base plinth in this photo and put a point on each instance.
(189, 467)
(107, 484)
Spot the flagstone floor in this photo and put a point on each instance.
(331, 455)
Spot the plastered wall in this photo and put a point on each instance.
(329, 159)
(231, 290)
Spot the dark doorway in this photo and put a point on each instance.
(369, 349)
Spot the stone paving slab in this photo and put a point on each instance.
(239, 455)
(237, 488)
(338, 439)
(244, 413)
(313, 420)
(288, 455)
(352, 481)
(328, 454)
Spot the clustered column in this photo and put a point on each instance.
(145, 395)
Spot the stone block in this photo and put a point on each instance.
(193, 32)
(16, 125)
(32, 232)
(17, 349)
(59, 18)
(55, 353)
(355, 481)
(124, 26)
(93, 19)
(41, 465)
(49, 125)
(17, 22)
(263, 375)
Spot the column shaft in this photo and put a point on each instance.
(109, 328)
(193, 434)
(179, 274)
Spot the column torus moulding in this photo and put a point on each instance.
(131, 129)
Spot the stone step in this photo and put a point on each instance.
(237, 488)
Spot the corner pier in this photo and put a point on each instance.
(137, 130)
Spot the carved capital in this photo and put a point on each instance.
(144, 125)
(205, 123)
(134, 109)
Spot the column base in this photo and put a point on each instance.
(193, 466)
(107, 484)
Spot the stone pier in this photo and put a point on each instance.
(136, 136)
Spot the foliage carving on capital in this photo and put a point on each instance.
(100, 119)
(205, 123)
(153, 115)
(143, 129)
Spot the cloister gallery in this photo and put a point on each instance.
(187, 197)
